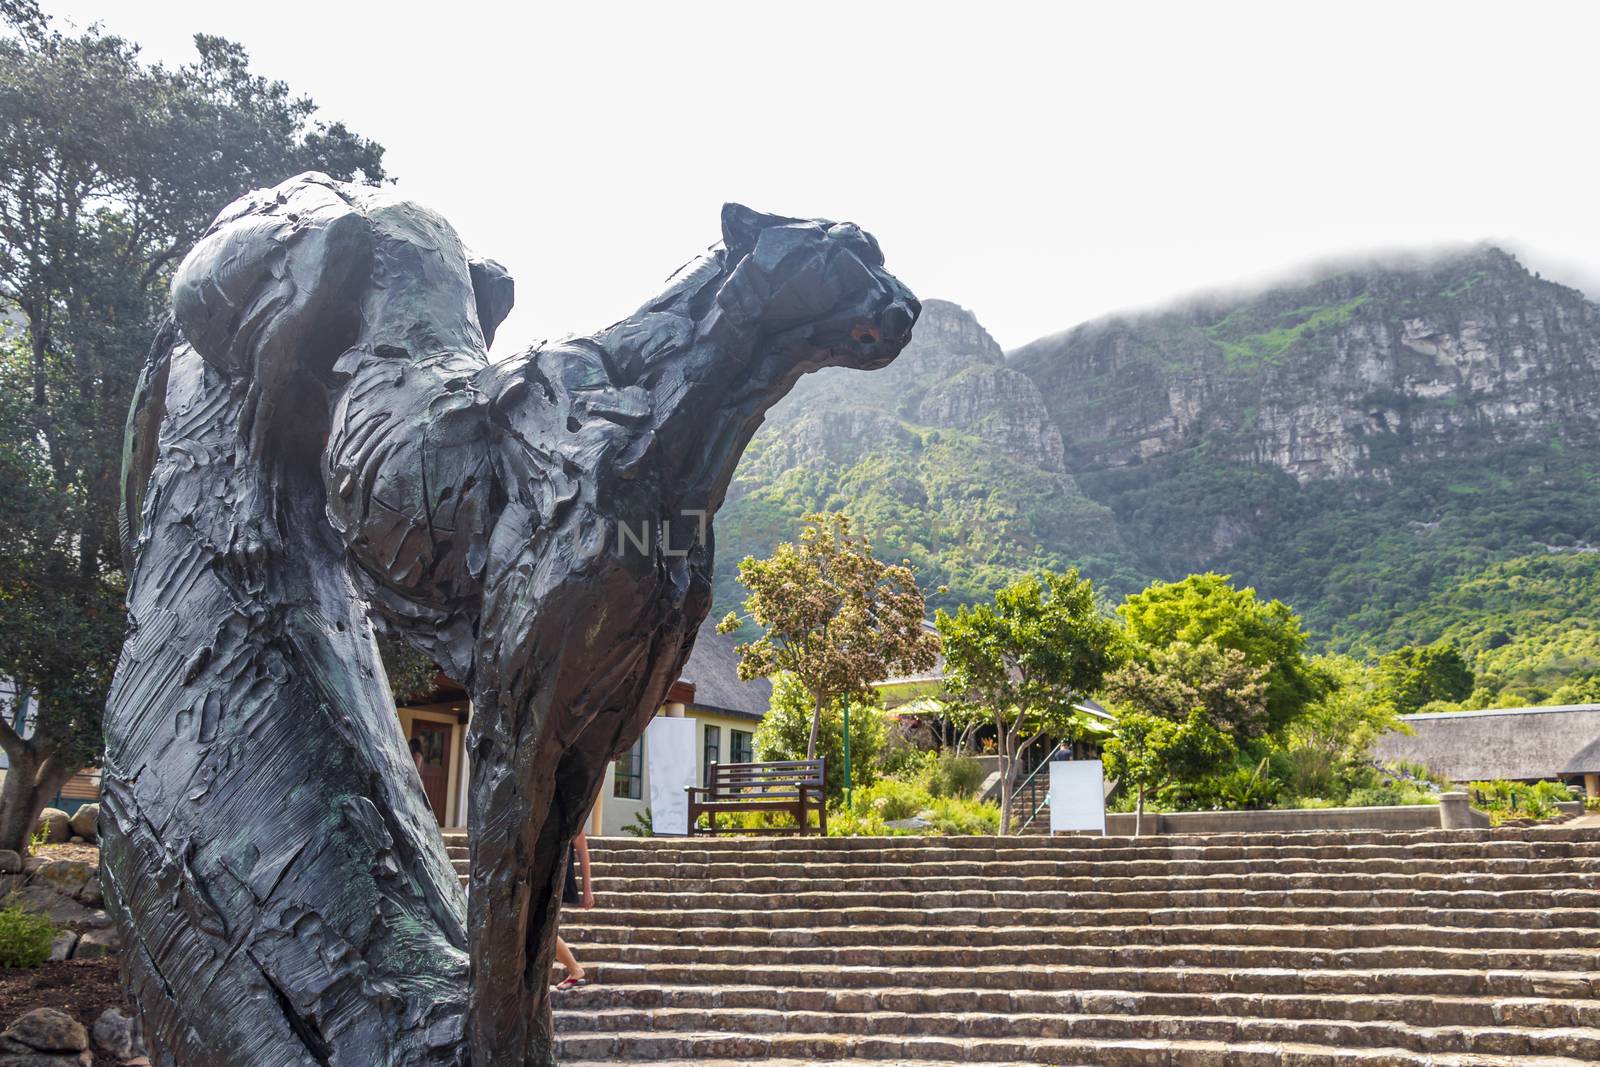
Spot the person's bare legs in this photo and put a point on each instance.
(568, 961)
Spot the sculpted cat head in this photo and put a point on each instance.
(814, 283)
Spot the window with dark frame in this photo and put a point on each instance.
(630, 773)
(713, 751)
(741, 746)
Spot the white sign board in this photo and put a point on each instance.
(669, 756)
(1077, 796)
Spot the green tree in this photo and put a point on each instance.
(1580, 689)
(1207, 608)
(1173, 682)
(1146, 752)
(1041, 646)
(1412, 676)
(110, 167)
(832, 615)
(785, 732)
(1331, 741)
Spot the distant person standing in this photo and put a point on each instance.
(578, 890)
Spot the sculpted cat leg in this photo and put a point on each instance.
(268, 853)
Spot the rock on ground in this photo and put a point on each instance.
(45, 1037)
(67, 877)
(118, 1034)
(85, 822)
(61, 948)
(54, 825)
(104, 942)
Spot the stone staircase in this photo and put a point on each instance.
(1356, 947)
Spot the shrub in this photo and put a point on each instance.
(784, 731)
(1518, 800)
(890, 799)
(643, 825)
(24, 938)
(953, 776)
(960, 815)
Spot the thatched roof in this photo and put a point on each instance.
(713, 670)
(1513, 743)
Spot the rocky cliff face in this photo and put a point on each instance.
(1345, 376)
(1399, 451)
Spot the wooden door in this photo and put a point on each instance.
(432, 749)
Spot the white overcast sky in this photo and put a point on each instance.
(1040, 164)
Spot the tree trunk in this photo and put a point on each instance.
(1138, 814)
(20, 804)
(1004, 749)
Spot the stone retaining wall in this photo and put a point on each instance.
(1453, 812)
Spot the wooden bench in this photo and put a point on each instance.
(794, 786)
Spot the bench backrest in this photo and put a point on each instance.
(783, 778)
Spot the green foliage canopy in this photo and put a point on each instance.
(1412, 676)
(785, 731)
(1026, 658)
(110, 167)
(1207, 608)
(832, 615)
(1173, 682)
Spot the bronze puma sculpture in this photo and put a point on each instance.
(319, 430)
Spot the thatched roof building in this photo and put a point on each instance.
(713, 670)
(1519, 744)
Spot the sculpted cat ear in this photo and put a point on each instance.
(494, 293)
(741, 226)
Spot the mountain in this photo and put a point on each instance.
(1403, 450)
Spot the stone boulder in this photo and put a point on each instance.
(45, 1037)
(61, 948)
(54, 825)
(42, 899)
(67, 877)
(118, 1034)
(98, 942)
(92, 895)
(86, 822)
(10, 862)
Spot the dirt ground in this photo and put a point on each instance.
(89, 854)
(81, 988)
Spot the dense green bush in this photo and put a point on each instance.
(786, 728)
(953, 776)
(1519, 800)
(24, 938)
(891, 799)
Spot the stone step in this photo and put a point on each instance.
(626, 886)
(1412, 1010)
(905, 867)
(818, 899)
(1278, 980)
(1331, 839)
(1003, 850)
(939, 918)
(578, 928)
(812, 1048)
(785, 1062)
(1582, 1043)
(1221, 956)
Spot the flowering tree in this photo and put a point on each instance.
(832, 615)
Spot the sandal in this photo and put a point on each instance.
(570, 983)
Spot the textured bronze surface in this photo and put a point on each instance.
(320, 433)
